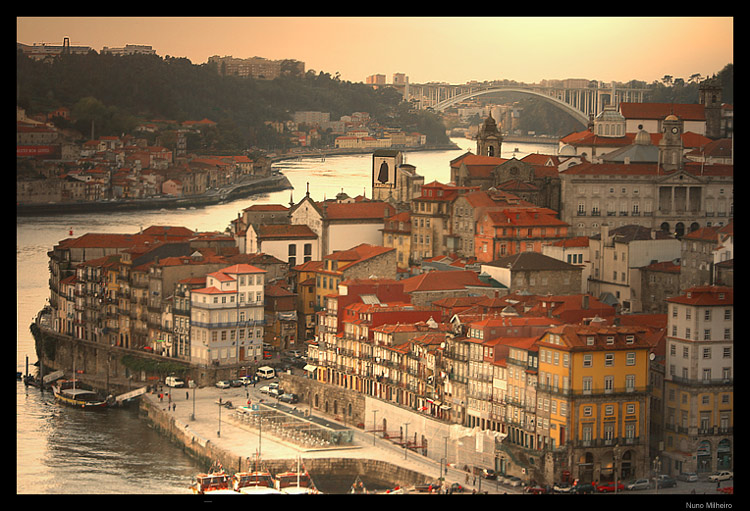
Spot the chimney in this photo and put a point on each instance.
(585, 302)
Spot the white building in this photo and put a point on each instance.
(226, 316)
(617, 254)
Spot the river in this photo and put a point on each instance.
(63, 450)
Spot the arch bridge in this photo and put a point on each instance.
(579, 102)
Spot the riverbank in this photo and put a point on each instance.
(239, 190)
(210, 432)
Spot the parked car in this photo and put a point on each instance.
(689, 477)
(514, 481)
(223, 384)
(265, 389)
(457, 488)
(236, 383)
(295, 353)
(275, 392)
(562, 488)
(536, 490)
(721, 475)
(609, 486)
(488, 473)
(638, 484)
(246, 380)
(664, 481)
(173, 381)
(584, 488)
(288, 398)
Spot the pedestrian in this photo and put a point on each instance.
(187, 395)
(161, 397)
(174, 407)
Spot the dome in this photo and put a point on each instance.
(610, 114)
(671, 117)
(567, 150)
(642, 138)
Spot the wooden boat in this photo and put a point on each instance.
(215, 480)
(72, 393)
(255, 479)
(295, 483)
(358, 486)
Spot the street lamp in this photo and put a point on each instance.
(406, 438)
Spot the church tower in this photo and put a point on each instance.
(489, 139)
(709, 95)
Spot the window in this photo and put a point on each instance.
(630, 359)
(609, 359)
(587, 360)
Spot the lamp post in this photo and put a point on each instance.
(374, 426)
(406, 438)
(218, 433)
(192, 416)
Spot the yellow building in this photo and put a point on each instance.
(593, 402)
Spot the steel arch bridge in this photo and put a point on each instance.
(574, 112)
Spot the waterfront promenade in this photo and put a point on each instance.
(204, 418)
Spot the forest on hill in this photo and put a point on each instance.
(117, 93)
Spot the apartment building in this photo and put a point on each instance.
(593, 395)
(699, 381)
(617, 254)
(227, 316)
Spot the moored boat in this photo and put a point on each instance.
(256, 479)
(72, 393)
(358, 486)
(295, 483)
(215, 480)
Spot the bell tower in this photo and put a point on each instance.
(670, 145)
(489, 139)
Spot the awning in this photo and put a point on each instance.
(310, 367)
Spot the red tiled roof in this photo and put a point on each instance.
(705, 295)
(371, 210)
(284, 231)
(658, 111)
(442, 280)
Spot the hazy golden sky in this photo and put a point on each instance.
(434, 49)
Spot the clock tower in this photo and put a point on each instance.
(670, 145)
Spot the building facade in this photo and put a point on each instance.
(227, 316)
(699, 381)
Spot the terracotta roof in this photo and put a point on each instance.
(284, 231)
(241, 269)
(442, 281)
(575, 337)
(705, 295)
(577, 241)
(658, 111)
(371, 210)
(532, 261)
(523, 217)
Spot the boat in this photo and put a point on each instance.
(215, 480)
(296, 482)
(358, 486)
(258, 479)
(73, 393)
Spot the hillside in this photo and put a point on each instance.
(119, 92)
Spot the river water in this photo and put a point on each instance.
(63, 450)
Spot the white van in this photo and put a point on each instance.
(265, 372)
(173, 381)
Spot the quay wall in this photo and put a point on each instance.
(336, 469)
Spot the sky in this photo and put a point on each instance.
(453, 50)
